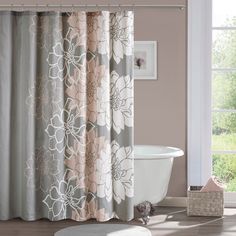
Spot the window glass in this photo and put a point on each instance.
(224, 13)
(224, 48)
(224, 167)
(223, 131)
(223, 90)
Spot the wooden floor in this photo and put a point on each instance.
(166, 221)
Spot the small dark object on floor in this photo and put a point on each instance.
(146, 210)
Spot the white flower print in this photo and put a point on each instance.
(122, 172)
(63, 195)
(76, 93)
(96, 94)
(104, 175)
(41, 170)
(42, 29)
(82, 107)
(43, 96)
(84, 165)
(121, 101)
(103, 105)
(66, 57)
(66, 131)
(77, 22)
(98, 32)
(114, 178)
(121, 35)
(94, 211)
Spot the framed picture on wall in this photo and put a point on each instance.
(145, 60)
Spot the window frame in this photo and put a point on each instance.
(199, 91)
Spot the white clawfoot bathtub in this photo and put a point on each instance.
(152, 171)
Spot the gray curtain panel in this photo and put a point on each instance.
(66, 115)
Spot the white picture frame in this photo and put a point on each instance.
(145, 60)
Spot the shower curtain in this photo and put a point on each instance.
(66, 115)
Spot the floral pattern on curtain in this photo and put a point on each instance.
(66, 101)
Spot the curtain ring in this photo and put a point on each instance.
(119, 7)
(11, 7)
(72, 8)
(22, 7)
(47, 6)
(97, 7)
(36, 7)
(86, 7)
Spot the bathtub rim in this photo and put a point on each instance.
(177, 152)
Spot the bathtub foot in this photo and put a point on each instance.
(145, 209)
(146, 219)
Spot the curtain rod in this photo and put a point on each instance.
(90, 5)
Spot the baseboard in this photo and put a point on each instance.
(230, 199)
(182, 202)
(230, 204)
(174, 202)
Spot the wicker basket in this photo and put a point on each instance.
(204, 203)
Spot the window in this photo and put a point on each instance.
(212, 93)
(224, 91)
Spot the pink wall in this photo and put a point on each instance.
(160, 106)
